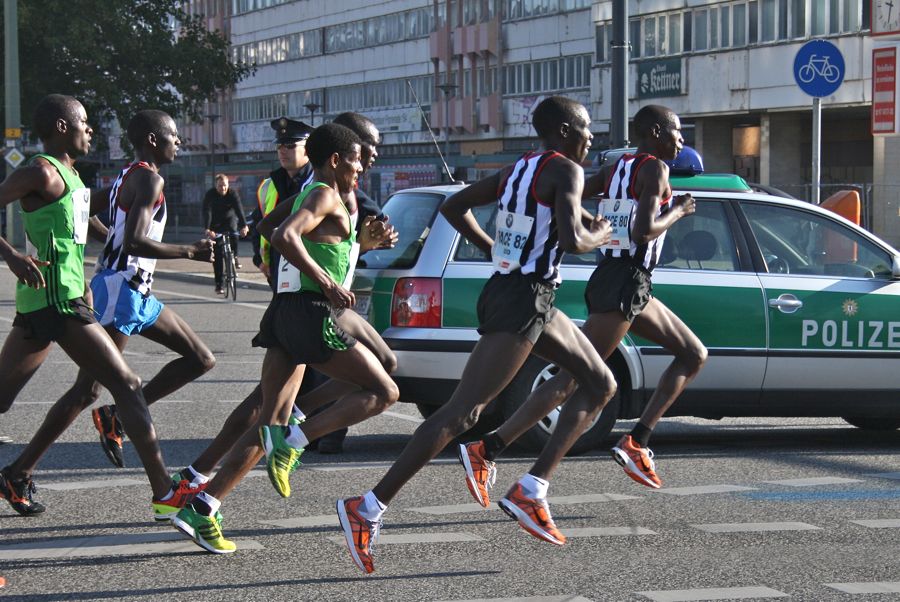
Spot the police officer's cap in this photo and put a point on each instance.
(289, 130)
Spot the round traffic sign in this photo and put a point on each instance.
(819, 68)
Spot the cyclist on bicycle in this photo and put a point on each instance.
(223, 214)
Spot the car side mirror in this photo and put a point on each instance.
(895, 268)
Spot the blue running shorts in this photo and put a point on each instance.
(118, 305)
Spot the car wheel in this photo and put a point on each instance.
(533, 374)
(874, 423)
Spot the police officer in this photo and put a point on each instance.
(289, 179)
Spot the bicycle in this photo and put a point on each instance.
(229, 267)
(819, 66)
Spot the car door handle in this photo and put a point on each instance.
(786, 303)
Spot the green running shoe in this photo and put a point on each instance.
(206, 531)
(281, 458)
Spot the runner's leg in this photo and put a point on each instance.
(241, 419)
(19, 360)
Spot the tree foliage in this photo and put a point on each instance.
(120, 56)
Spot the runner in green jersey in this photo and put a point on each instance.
(50, 300)
(303, 325)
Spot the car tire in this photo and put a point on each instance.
(874, 423)
(533, 374)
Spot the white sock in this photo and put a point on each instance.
(371, 508)
(197, 478)
(534, 487)
(298, 414)
(296, 438)
(210, 501)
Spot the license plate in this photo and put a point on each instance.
(362, 305)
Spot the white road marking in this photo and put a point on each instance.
(606, 531)
(532, 599)
(92, 484)
(324, 520)
(590, 498)
(111, 545)
(754, 527)
(883, 523)
(451, 509)
(366, 465)
(6, 320)
(713, 593)
(702, 489)
(884, 475)
(259, 306)
(874, 587)
(813, 481)
(415, 419)
(412, 538)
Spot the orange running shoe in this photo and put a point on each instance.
(182, 493)
(2, 582)
(18, 494)
(359, 532)
(637, 461)
(106, 421)
(532, 514)
(480, 473)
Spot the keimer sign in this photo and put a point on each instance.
(660, 78)
(884, 90)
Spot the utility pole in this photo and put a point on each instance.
(212, 143)
(12, 99)
(620, 47)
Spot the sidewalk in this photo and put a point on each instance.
(191, 271)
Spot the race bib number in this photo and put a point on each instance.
(81, 213)
(512, 234)
(351, 266)
(618, 212)
(288, 277)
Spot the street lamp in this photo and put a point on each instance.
(212, 143)
(312, 107)
(447, 89)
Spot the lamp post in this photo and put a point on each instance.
(212, 143)
(312, 107)
(447, 89)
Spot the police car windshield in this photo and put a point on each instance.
(412, 215)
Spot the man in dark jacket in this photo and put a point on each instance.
(223, 214)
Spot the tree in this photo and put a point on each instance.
(120, 56)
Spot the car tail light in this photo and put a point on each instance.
(416, 303)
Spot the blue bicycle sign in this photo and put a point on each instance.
(819, 68)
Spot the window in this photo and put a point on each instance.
(794, 241)
(700, 30)
(675, 33)
(650, 36)
(703, 242)
(714, 28)
(753, 23)
(739, 24)
(412, 216)
(798, 18)
(767, 21)
(634, 34)
(817, 17)
(725, 29)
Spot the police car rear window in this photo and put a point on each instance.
(412, 215)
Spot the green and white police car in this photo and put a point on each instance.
(799, 308)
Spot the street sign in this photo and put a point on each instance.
(14, 133)
(819, 68)
(884, 90)
(14, 158)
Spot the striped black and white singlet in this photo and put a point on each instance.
(540, 253)
(137, 271)
(621, 187)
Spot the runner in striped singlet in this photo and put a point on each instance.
(539, 216)
(638, 201)
(50, 301)
(122, 300)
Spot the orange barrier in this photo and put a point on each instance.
(846, 204)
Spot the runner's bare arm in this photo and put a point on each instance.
(276, 217)
(567, 180)
(457, 209)
(651, 187)
(100, 200)
(596, 184)
(97, 230)
(35, 185)
(140, 193)
(287, 238)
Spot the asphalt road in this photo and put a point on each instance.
(805, 509)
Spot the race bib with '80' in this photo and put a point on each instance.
(513, 230)
(618, 212)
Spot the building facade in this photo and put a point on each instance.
(477, 68)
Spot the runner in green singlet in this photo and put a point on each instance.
(50, 303)
(303, 325)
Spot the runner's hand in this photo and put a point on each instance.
(210, 234)
(27, 270)
(687, 203)
(202, 250)
(601, 226)
(377, 234)
(245, 231)
(339, 297)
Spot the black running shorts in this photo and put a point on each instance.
(304, 325)
(516, 303)
(49, 324)
(618, 284)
